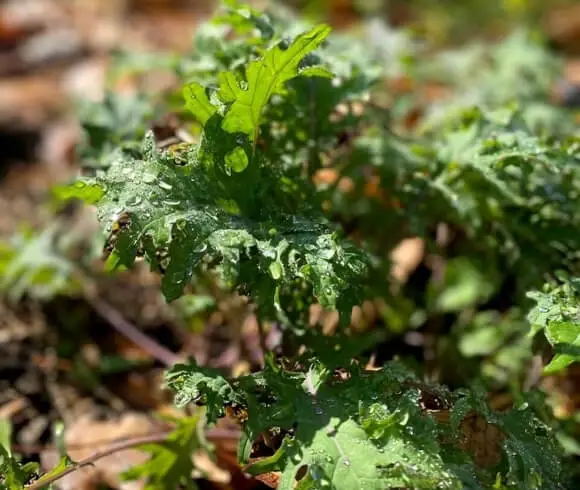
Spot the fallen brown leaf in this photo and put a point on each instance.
(563, 26)
(406, 257)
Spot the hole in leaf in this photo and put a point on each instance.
(301, 472)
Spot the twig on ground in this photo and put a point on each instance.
(11, 408)
(213, 434)
(113, 448)
(127, 329)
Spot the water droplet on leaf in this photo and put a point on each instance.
(170, 202)
(404, 419)
(134, 201)
(165, 185)
(276, 270)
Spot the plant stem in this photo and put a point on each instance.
(113, 448)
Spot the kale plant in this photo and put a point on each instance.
(291, 188)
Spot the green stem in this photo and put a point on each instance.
(113, 448)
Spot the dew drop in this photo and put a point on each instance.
(346, 462)
(170, 202)
(318, 410)
(135, 201)
(336, 82)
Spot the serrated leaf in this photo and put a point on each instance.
(368, 431)
(335, 440)
(190, 383)
(529, 449)
(198, 103)
(178, 212)
(170, 465)
(13, 474)
(557, 313)
(263, 78)
(565, 337)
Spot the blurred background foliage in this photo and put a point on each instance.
(447, 22)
